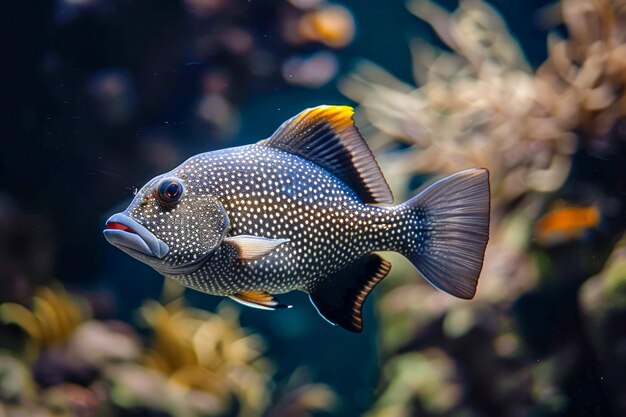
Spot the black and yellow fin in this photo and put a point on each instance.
(252, 248)
(340, 298)
(258, 299)
(327, 136)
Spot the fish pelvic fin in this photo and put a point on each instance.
(339, 299)
(328, 137)
(258, 299)
(451, 217)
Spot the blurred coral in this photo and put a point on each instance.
(603, 302)
(16, 382)
(581, 87)
(300, 397)
(196, 363)
(480, 105)
(474, 107)
(51, 321)
(428, 376)
(209, 353)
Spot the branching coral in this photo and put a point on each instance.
(474, 107)
(581, 87)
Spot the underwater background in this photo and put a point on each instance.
(103, 95)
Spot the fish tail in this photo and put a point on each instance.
(446, 229)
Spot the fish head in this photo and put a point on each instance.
(171, 225)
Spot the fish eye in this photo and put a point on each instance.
(170, 191)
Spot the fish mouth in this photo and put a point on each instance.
(128, 235)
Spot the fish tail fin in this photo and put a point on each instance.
(449, 221)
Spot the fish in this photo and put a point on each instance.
(306, 209)
(566, 223)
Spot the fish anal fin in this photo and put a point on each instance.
(327, 136)
(258, 299)
(252, 248)
(340, 298)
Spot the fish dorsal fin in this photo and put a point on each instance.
(340, 298)
(252, 248)
(327, 136)
(258, 299)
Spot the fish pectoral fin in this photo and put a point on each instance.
(258, 299)
(339, 299)
(251, 248)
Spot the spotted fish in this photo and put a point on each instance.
(303, 210)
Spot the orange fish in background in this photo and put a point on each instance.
(565, 223)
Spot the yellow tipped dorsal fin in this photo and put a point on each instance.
(327, 136)
(258, 299)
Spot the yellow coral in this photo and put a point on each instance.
(51, 320)
(211, 353)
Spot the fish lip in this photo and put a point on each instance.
(133, 236)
